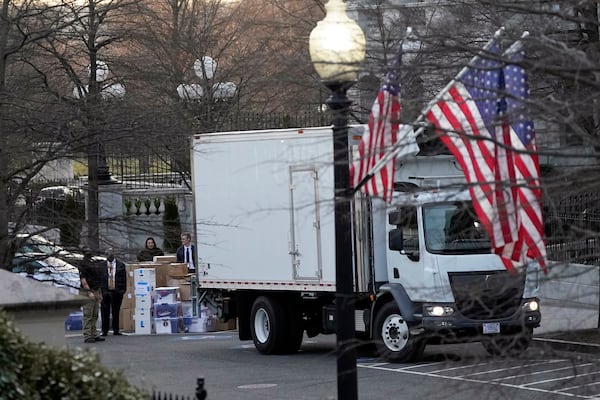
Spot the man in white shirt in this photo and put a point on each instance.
(186, 253)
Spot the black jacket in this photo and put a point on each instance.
(181, 255)
(92, 271)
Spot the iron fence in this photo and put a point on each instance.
(572, 223)
(199, 395)
(572, 227)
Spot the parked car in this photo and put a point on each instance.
(37, 246)
(42, 260)
(50, 270)
(58, 193)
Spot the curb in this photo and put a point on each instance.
(566, 345)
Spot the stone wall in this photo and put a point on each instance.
(573, 285)
(128, 216)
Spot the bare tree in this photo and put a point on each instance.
(79, 58)
(26, 124)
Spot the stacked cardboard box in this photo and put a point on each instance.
(138, 306)
(146, 313)
(144, 281)
(167, 310)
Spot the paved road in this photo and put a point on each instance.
(234, 370)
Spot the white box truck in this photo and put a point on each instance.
(423, 270)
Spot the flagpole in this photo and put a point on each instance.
(395, 149)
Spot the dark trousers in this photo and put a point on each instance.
(111, 304)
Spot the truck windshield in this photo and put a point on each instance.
(453, 228)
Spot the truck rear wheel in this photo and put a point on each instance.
(508, 345)
(268, 326)
(394, 340)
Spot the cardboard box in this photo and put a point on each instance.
(160, 272)
(167, 326)
(226, 326)
(143, 303)
(167, 310)
(166, 294)
(143, 323)
(176, 281)
(129, 268)
(177, 270)
(209, 323)
(126, 321)
(144, 280)
(185, 292)
(199, 325)
(165, 259)
(128, 300)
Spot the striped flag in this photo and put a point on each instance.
(496, 150)
(382, 134)
(521, 164)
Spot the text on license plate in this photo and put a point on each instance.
(491, 327)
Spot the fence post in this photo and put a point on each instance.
(200, 391)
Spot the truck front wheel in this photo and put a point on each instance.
(393, 336)
(268, 326)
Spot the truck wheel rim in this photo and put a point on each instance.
(395, 332)
(261, 325)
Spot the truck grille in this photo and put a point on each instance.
(487, 295)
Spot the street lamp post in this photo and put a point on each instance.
(107, 93)
(337, 48)
(98, 170)
(205, 69)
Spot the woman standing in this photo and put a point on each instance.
(151, 250)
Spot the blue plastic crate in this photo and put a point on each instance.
(74, 321)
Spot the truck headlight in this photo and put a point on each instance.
(531, 305)
(439, 311)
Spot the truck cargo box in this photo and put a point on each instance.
(264, 207)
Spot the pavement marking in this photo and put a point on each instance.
(562, 378)
(569, 367)
(533, 386)
(204, 337)
(258, 386)
(494, 371)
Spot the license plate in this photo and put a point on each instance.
(491, 327)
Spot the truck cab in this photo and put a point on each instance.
(441, 282)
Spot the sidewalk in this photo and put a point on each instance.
(565, 318)
(568, 327)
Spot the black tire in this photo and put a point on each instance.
(508, 345)
(393, 337)
(295, 329)
(268, 326)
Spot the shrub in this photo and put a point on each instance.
(72, 219)
(171, 226)
(37, 372)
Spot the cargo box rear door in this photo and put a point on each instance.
(305, 231)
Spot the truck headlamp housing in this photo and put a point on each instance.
(438, 311)
(531, 305)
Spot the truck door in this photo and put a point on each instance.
(305, 230)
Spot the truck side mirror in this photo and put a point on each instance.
(396, 240)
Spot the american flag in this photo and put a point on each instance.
(518, 137)
(373, 168)
(484, 127)
(382, 134)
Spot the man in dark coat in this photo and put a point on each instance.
(186, 253)
(90, 274)
(114, 285)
